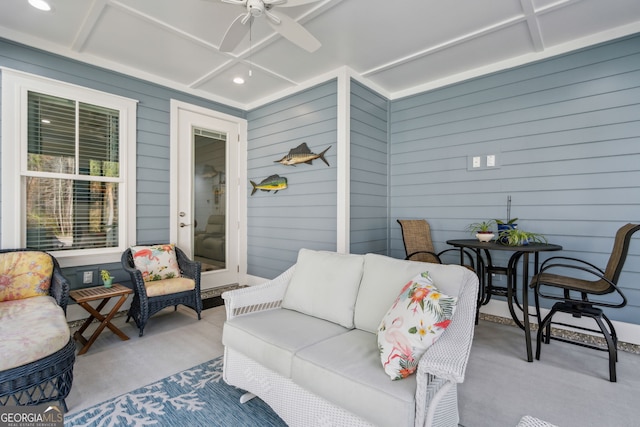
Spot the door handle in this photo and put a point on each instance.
(182, 225)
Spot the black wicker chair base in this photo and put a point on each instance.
(155, 304)
(46, 380)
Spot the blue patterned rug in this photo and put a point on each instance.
(195, 397)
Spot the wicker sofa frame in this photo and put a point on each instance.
(50, 378)
(439, 371)
(143, 306)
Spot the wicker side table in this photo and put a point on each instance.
(84, 296)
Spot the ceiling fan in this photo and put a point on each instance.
(282, 23)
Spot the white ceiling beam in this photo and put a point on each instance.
(533, 24)
(86, 29)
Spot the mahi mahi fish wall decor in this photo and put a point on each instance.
(273, 182)
(302, 154)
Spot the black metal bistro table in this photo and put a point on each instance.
(511, 290)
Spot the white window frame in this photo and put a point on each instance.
(15, 88)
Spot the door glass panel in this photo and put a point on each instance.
(209, 196)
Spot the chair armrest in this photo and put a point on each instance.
(578, 264)
(466, 253)
(136, 276)
(188, 268)
(59, 288)
(265, 296)
(435, 255)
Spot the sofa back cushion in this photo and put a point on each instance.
(24, 274)
(382, 280)
(325, 285)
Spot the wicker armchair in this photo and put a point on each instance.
(576, 293)
(48, 379)
(145, 305)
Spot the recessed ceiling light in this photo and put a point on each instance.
(238, 80)
(40, 4)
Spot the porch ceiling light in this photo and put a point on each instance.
(40, 4)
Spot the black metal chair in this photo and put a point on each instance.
(576, 293)
(144, 306)
(48, 379)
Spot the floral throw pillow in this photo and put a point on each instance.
(414, 322)
(156, 262)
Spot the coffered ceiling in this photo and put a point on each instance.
(399, 47)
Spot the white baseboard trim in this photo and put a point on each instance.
(627, 332)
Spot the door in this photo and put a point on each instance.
(205, 194)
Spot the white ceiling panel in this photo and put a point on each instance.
(594, 16)
(462, 57)
(257, 86)
(150, 48)
(59, 26)
(400, 46)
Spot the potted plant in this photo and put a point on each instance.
(516, 237)
(482, 230)
(107, 278)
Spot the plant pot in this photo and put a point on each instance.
(485, 237)
(107, 283)
(505, 227)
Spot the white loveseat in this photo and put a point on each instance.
(305, 343)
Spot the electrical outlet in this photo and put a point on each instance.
(87, 277)
(476, 161)
(491, 160)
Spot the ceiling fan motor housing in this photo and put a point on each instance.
(255, 7)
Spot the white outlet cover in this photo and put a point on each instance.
(87, 277)
(476, 161)
(491, 160)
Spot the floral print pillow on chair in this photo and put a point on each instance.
(156, 262)
(417, 318)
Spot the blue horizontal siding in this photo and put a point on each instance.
(369, 114)
(567, 134)
(152, 124)
(304, 214)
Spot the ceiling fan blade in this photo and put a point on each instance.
(294, 32)
(238, 2)
(292, 3)
(234, 34)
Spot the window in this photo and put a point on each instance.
(64, 167)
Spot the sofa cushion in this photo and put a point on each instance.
(31, 329)
(345, 370)
(156, 262)
(24, 274)
(382, 281)
(272, 337)
(325, 285)
(414, 322)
